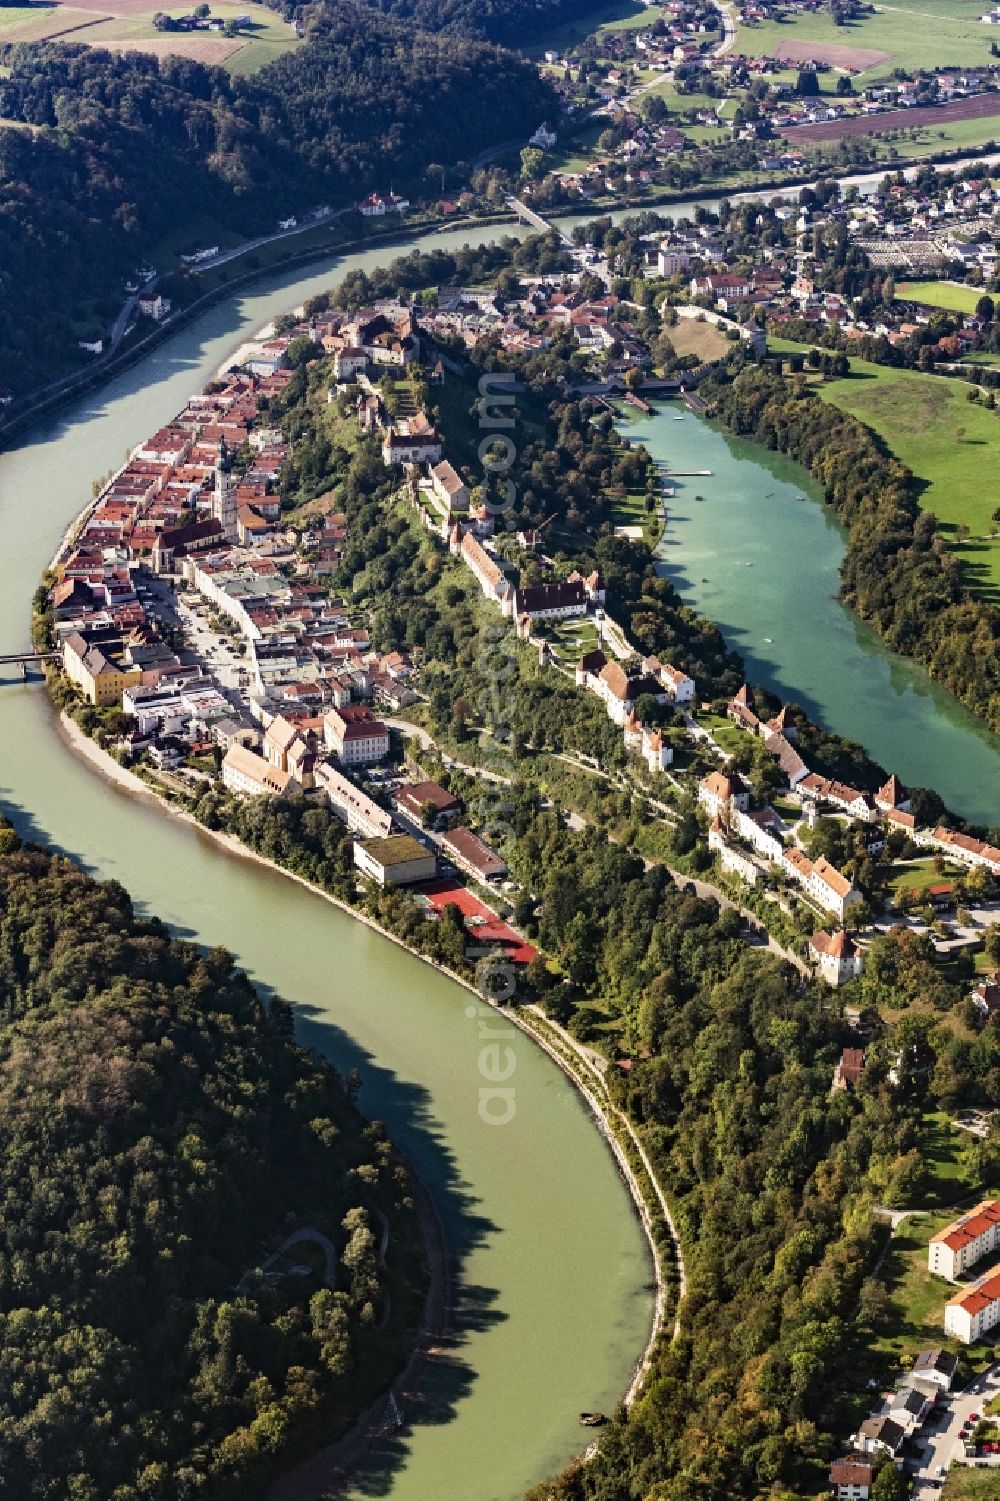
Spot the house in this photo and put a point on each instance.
(965, 1241)
(360, 813)
(355, 736)
(348, 362)
(680, 687)
(420, 797)
(244, 771)
(99, 678)
(787, 757)
(413, 442)
(621, 690)
(739, 711)
(472, 855)
(718, 793)
(656, 751)
(963, 847)
(398, 860)
(484, 567)
(973, 1312)
(910, 1405)
(880, 1436)
(280, 740)
(671, 258)
(836, 956)
(847, 1074)
(851, 1478)
(939, 1366)
(986, 999)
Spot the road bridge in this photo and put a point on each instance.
(23, 660)
(536, 221)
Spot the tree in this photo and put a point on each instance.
(985, 308)
(807, 83)
(890, 1484)
(844, 86)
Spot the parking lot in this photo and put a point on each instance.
(187, 614)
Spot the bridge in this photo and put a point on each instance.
(536, 221)
(24, 660)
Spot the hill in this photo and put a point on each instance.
(127, 147)
(163, 1135)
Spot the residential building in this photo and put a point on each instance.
(851, 1478)
(972, 1313)
(986, 998)
(832, 890)
(355, 736)
(398, 860)
(836, 956)
(880, 1435)
(963, 847)
(965, 1241)
(847, 1074)
(680, 687)
(939, 1366)
(244, 771)
(450, 490)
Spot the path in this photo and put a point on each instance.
(309, 1233)
(428, 743)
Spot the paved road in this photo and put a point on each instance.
(941, 1442)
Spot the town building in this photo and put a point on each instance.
(101, 679)
(355, 736)
(559, 601)
(836, 956)
(420, 797)
(956, 1248)
(473, 855)
(719, 794)
(847, 1074)
(880, 1435)
(244, 771)
(399, 860)
(939, 1366)
(355, 808)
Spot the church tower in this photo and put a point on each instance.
(224, 499)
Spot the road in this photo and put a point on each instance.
(940, 1439)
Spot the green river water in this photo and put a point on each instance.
(763, 564)
(554, 1304)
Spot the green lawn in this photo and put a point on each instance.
(722, 730)
(921, 34)
(951, 295)
(16, 15)
(942, 1145)
(917, 1299)
(616, 15)
(919, 876)
(949, 443)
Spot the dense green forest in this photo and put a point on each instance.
(513, 23)
(125, 147)
(162, 1134)
(897, 572)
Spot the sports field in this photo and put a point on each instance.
(127, 25)
(917, 34)
(949, 443)
(950, 295)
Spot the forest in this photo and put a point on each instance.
(123, 148)
(512, 23)
(163, 1133)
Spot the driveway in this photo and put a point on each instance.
(940, 1439)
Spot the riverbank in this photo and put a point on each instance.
(127, 781)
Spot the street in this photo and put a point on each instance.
(940, 1437)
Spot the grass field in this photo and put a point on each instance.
(688, 336)
(949, 443)
(122, 25)
(965, 1484)
(920, 34)
(918, 876)
(944, 294)
(616, 15)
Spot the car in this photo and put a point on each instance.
(939, 1470)
(973, 1417)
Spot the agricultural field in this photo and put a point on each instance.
(952, 296)
(948, 442)
(983, 107)
(127, 25)
(919, 34)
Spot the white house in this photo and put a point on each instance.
(974, 1311)
(355, 736)
(719, 793)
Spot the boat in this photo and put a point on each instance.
(678, 416)
(768, 641)
(800, 497)
(593, 1419)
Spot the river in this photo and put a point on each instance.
(554, 1304)
(764, 565)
